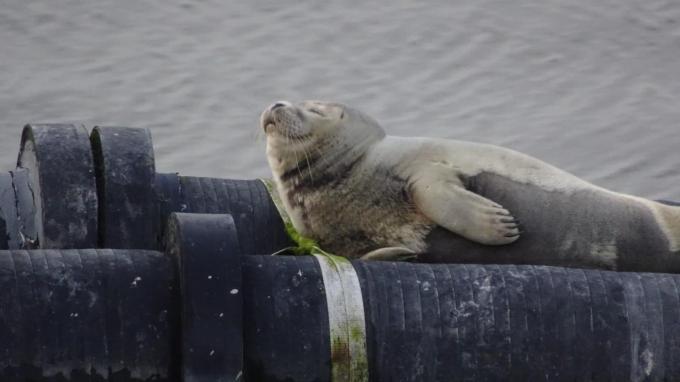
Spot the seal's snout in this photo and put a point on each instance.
(268, 119)
(276, 106)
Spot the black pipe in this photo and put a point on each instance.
(73, 190)
(88, 315)
(9, 229)
(285, 330)
(126, 315)
(27, 219)
(206, 247)
(260, 227)
(467, 322)
(115, 315)
(61, 172)
(132, 197)
(125, 172)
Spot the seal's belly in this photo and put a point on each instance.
(354, 218)
(587, 227)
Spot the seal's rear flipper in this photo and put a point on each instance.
(390, 254)
(668, 203)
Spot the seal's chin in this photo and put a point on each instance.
(268, 124)
(281, 131)
(277, 118)
(267, 121)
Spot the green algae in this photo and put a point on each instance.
(303, 245)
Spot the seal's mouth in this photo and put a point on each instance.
(268, 123)
(268, 119)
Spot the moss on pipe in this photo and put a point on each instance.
(304, 245)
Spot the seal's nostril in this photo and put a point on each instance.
(277, 105)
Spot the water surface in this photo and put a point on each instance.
(590, 86)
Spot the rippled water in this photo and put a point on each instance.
(590, 86)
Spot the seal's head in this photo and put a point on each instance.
(299, 135)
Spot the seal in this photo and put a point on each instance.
(363, 194)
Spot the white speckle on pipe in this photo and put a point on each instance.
(233, 291)
(648, 362)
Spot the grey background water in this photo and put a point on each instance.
(590, 86)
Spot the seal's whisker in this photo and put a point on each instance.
(309, 166)
(289, 138)
(299, 142)
(259, 135)
(323, 158)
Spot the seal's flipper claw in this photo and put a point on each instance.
(463, 212)
(390, 254)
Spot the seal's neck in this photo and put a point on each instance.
(321, 164)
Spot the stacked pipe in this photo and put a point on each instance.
(204, 312)
(125, 315)
(72, 189)
(211, 307)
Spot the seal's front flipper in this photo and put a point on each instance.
(465, 213)
(390, 254)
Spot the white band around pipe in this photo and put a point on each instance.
(346, 319)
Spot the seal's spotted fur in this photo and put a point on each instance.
(355, 190)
